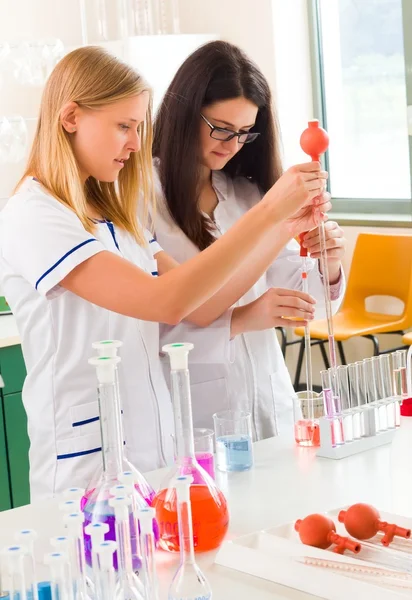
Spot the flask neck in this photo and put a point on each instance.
(182, 409)
(111, 429)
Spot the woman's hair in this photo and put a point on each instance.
(92, 78)
(215, 72)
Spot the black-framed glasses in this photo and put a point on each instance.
(224, 135)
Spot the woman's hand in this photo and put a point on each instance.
(335, 247)
(309, 217)
(300, 186)
(273, 309)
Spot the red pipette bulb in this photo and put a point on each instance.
(314, 141)
(363, 522)
(320, 532)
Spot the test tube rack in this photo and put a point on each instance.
(328, 450)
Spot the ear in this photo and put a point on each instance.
(69, 116)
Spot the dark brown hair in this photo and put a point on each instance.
(215, 72)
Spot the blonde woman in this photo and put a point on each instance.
(77, 266)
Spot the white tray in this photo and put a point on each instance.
(277, 555)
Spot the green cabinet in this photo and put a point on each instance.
(14, 441)
(17, 448)
(5, 494)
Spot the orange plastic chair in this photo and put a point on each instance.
(407, 339)
(381, 266)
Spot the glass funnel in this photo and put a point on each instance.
(95, 503)
(210, 513)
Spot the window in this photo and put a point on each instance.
(361, 53)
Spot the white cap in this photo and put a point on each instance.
(97, 531)
(13, 555)
(105, 550)
(179, 355)
(74, 493)
(182, 485)
(62, 542)
(74, 522)
(127, 477)
(107, 347)
(146, 516)
(56, 561)
(122, 489)
(69, 506)
(26, 536)
(106, 368)
(120, 505)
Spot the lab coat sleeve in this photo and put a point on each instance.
(43, 241)
(285, 273)
(212, 345)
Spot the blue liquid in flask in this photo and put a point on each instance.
(234, 452)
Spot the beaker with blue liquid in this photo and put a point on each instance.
(233, 431)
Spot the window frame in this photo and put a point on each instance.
(379, 211)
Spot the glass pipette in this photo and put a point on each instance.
(189, 582)
(147, 544)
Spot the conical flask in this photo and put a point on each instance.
(210, 514)
(95, 503)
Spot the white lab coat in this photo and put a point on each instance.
(248, 372)
(41, 241)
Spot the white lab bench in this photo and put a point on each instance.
(286, 483)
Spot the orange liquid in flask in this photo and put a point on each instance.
(210, 517)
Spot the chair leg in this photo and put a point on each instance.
(341, 353)
(324, 355)
(299, 365)
(375, 343)
(282, 332)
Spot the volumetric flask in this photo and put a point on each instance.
(210, 513)
(95, 504)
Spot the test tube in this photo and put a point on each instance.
(14, 557)
(344, 395)
(26, 538)
(61, 582)
(147, 544)
(332, 406)
(74, 524)
(381, 404)
(400, 385)
(392, 404)
(105, 582)
(354, 401)
(371, 395)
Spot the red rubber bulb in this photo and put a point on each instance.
(362, 521)
(314, 141)
(320, 532)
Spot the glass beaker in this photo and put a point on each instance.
(307, 409)
(234, 450)
(209, 506)
(204, 449)
(95, 503)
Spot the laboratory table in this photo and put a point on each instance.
(286, 483)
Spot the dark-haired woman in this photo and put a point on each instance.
(216, 149)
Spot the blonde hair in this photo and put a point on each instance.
(92, 78)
